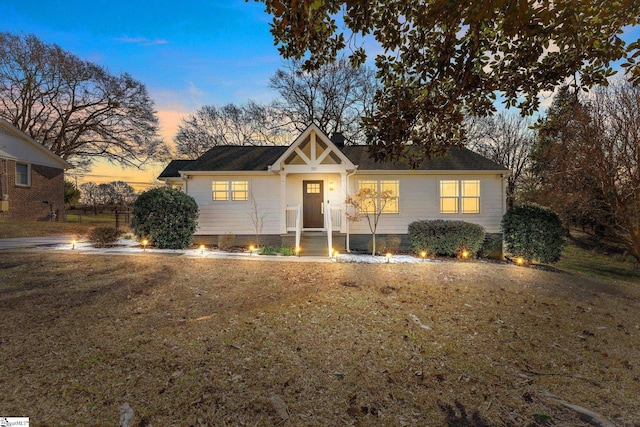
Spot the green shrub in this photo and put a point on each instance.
(226, 241)
(533, 233)
(287, 251)
(447, 238)
(166, 217)
(104, 236)
(268, 250)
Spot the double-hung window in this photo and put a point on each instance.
(230, 190)
(383, 193)
(23, 174)
(460, 196)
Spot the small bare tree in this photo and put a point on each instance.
(257, 217)
(369, 204)
(506, 139)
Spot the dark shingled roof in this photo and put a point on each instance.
(238, 158)
(258, 158)
(456, 159)
(171, 171)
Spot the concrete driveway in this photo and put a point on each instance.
(32, 242)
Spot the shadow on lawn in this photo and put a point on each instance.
(458, 417)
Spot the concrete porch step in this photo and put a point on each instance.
(315, 243)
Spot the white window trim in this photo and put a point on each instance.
(459, 198)
(378, 190)
(19, 184)
(230, 192)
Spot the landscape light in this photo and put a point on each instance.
(519, 260)
(201, 249)
(423, 254)
(73, 244)
(388, 257)
(465, 253)
(251, 248)
(298, 249)
(145, 242)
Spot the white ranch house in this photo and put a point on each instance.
(300, 192)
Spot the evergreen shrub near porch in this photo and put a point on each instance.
(447, 238)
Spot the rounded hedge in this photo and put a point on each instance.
(447, 238)
(166, 217)
(533, 233)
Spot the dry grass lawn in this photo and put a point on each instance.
(191, 342)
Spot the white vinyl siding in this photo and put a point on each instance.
(421, 201)
(228, 216)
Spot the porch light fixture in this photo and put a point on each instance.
(423, 254)
(73, 244)
(331, 185)
(388, 257)
(145, 242)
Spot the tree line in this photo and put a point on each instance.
(115, 193)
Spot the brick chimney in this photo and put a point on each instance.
(338, 139)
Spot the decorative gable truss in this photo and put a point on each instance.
(312, 152)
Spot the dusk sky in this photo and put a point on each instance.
(188, 53)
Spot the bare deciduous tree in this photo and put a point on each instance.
(506, 139)
(334, 97)
(248, 124)
(369, 204)
(257, 217)
(73, 107)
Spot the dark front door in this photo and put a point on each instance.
(312, 196)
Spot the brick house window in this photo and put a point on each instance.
(23, 174)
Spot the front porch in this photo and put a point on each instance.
(315, 243)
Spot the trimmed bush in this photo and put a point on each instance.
(166, 217)
(533, 233)
(448, 238)
(104, 236)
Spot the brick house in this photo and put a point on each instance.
(31, 177)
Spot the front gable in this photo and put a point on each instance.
(312, 151)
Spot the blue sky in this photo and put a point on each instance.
(188, 53)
